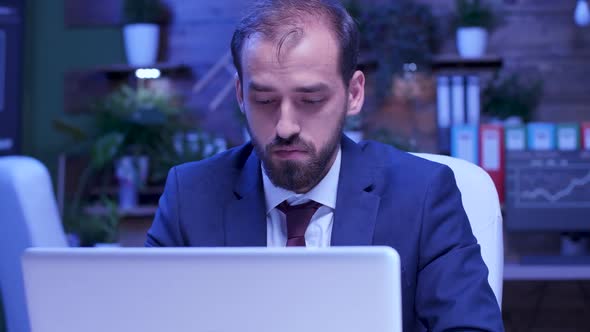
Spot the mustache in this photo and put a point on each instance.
(291, 142)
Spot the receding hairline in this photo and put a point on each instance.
(276, 19)
(290, 37)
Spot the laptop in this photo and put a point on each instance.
(340, 289)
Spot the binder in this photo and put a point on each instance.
(515, 138)
(586, 136)
(458, 100)
(541, 136)
(443, 102)
(568, 137)
(443, 106)
(473, 100)
(492, 155)
(464, 142)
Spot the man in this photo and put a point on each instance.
(296, 82)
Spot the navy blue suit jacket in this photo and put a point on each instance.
(385, 197)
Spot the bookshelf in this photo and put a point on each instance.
(456, 63)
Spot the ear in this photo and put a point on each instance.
(356, 93)
(239, 92)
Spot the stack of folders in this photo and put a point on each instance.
(482, 145)
(458, 103)
(461, 135)
(460, 132)
(542, 136)
(486, 144)
(472, 142)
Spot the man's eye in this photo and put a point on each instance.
(264, 101)
(313, 101)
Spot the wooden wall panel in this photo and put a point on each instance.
(208, 10)
(92, 12)
(538, 36)
(108, 12)
(194, 43)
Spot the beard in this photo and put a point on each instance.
(293, 175)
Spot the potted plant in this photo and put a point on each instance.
(135, 125)
(394, 34)
(474, 19)
(141, 32)
(186, 146)
(93, 227)
(120, 134)
(511, 98)
(128, 128)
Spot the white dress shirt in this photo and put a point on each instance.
(319, 231)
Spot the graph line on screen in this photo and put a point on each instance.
(555, 187)
(541, 192)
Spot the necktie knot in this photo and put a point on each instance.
(298, 218)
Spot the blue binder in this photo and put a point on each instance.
(465, 142)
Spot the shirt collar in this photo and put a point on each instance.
(324, 192)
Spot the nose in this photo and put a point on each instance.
(287, 125)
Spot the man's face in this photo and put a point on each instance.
(295, 104)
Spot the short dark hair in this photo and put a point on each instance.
(271, 17)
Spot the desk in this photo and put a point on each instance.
(517, 272)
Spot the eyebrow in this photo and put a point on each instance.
(319, 87)
(312, 88)
(259, 87)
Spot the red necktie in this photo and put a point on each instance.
(298, 218)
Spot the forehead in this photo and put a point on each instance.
(311, 49)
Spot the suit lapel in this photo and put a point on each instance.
(245, 216)
(356, 206)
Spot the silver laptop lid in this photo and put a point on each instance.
(341, 289)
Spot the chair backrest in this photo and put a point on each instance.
(481, 203)
(28, 218)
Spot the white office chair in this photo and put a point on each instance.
(481, 203)
(28, 218)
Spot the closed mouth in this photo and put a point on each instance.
(289, 153)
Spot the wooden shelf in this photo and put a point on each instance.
(452, 61)
(368, 61)
(165, 68)
(514, 271)
(83, 86)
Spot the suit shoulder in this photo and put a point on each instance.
(399, 170)
(227, 161)
(391, 158)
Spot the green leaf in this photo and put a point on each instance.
(74, 130)
(143, 11)
(512, 95)
(475, 13)
(106, 149)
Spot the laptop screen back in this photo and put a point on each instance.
(214, 289)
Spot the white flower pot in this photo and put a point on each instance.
(141, 43)
(131, 172)
(128, 195)
(471, 41)
(582, 13)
